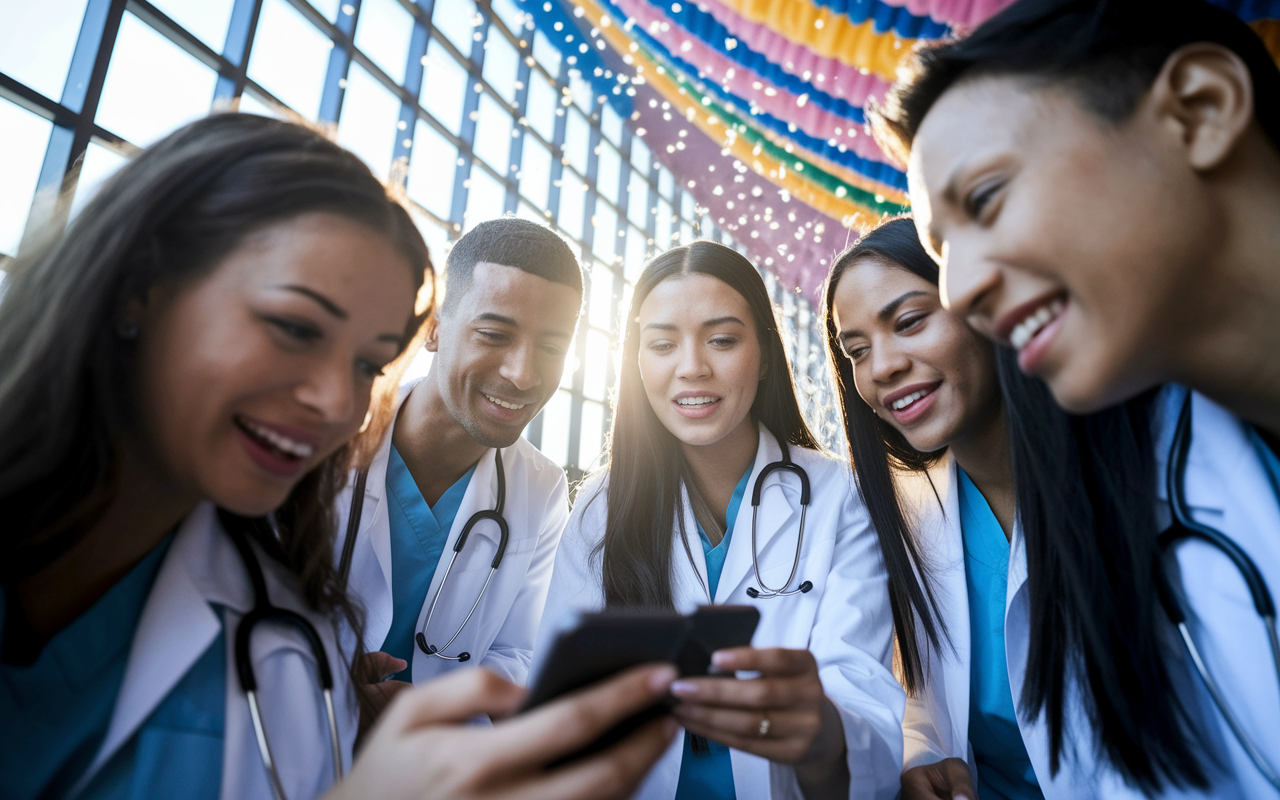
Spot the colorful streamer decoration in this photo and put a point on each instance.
(778, 88)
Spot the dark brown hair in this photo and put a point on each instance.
(171, 214)
(645, 463)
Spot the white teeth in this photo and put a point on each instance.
(282, 443)
(503, 403)
(1026, 330)
(696, 401)
(903, 402)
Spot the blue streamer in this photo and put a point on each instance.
(887, 17)
(546, 15)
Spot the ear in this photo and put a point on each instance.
(1205, 92)
(764, 367)
(432, 343)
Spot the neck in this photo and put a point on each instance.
(984, 456)
(434, 445)
(717, 467)
(1229, 336)
(146, 507)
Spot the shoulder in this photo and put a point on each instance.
(533, 464)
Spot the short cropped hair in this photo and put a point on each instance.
(511, 242)
(1107, 51)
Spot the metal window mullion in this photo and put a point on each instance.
(588, 249)
(411, 90)
(335, 78)
(470, 106)
(240, 32)
(515, 161)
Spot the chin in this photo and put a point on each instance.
(255, 501)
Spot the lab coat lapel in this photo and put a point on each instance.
(690, 590)
(777, 525)
(176, 627)
(947, 542)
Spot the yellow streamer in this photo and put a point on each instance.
(828, 33)
(850, 214)
(1269, 31)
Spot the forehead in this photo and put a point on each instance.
(692, 299)
(523, 296)
(868, 284)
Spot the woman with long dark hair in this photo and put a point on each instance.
(1103, 177)
(1010, 528)
(183, 371)
(705, 403)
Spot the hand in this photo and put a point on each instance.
(422, 748)
(788, 693)
(945, 780)
(377, 693)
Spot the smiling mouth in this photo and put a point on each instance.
(274, 441)
(903, 403)
(503, 403)
(695, 402)
(1034, 322)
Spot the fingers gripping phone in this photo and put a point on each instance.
(603, 644)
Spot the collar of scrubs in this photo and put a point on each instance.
(715, 555)
(57, 709)
(1004, 768)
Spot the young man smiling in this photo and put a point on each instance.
(513, 294)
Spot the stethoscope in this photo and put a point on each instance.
(764, 592)
(1185, 527)
(263, 611)
(353, 528)
(496, 515)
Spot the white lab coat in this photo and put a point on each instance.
(178, 624)
(500, 635)
(936, 723)
(845, 620)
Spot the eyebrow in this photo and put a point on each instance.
(490, 316)
(324, 302)
(711, 323)
(886, 312)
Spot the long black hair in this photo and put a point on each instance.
(1085, 494)
(67, 381)
(1107, 51)
(645, 464)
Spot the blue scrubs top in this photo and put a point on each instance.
(55, 712)
(709, 776)
(418, 536)
(1004, 768)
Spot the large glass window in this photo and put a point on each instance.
(567, 170)
(152, 85)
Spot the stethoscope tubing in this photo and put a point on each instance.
(1185, 527)
(264, 610)
(504, 533)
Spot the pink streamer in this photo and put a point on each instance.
(957, 13)
(740, 81)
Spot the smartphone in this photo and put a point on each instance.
(603, 644)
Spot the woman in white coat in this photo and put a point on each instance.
(1104, 181)
(705, 402)
(182, 372)
(1019, 543)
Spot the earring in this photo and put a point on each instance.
(127, 329)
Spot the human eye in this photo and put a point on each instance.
(370, 370)
(660, 345)
(980, 198)
(492, 336)
(910, 321)
(856, 351)
(724, 341)
(297, 330)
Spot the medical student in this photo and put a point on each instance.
(705, 403)
(1019, 542)
(183, 370)
(1102, 181)
(510, 307)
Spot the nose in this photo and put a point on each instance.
(520, 368)
(692, 365)
(330, 390)
(887, 362)
(970, 285)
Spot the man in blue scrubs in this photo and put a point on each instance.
(511, 304)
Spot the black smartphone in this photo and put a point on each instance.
(603, 644)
